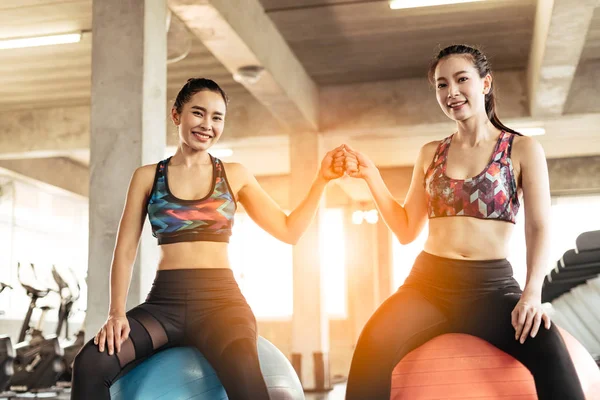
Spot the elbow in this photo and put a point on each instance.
(293, 240)
(406, 237)
(404, 240)
(537, 228)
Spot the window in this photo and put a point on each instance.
(43, 226)
(263, 267)
(333, 263)
(403, 256)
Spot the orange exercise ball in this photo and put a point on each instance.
(459, 366)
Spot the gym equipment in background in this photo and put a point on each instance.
(39, 360)
(7, 353)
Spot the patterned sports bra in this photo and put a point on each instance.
(208, 219)
(492, 194)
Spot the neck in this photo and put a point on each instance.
(189, 158)
(475, 130)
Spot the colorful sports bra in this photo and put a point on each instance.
(208, 219)
(492, 194)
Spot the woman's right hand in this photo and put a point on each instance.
(357, 164)
(114, 332)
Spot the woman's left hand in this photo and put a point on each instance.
(527, 317)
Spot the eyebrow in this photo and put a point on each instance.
(458, 73)
(205, 110)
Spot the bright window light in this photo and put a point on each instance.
(399, 4)
(221, 153)
(333, 262)
(40, 41)
(404, 256)
(532, 131)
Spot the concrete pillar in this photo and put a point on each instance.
(310, 325)
(128, 129)
(363, 285)
(385, 268)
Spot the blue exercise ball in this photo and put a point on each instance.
(181, 373)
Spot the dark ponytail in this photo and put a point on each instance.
(483, 67)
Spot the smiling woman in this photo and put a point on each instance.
(191, 199)
(468, 187)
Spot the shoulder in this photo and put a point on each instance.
(235, 168)
(427, 152)
(145, 171)
(237, 174)
(430, 148)
(143, 177)
(526, 148)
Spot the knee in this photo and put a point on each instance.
(547, 341)
(90, 362)
(241, 350)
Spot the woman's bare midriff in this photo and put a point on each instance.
(191, 255)
(468, 238)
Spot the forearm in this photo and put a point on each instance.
(394, 215)
(538, 246)
(301, 217)
(120, 278)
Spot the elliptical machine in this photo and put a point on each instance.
(71, 346)
(7, 353)
(39, 361)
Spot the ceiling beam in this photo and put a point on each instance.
(559, 36)
(239, 33)
(58, 132)
(389, 121)
(58, 172)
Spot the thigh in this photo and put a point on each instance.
(546, 356)
(211, 332)
(404, 321)
(150, 332)
(490, 320)
(152, 329)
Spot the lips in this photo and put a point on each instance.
(457, 104)
(202, 135)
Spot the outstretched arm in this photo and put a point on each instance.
(269, 216)
(405, 221)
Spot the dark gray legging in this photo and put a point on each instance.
(442, 296)
(203, 308)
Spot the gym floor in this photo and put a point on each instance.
(336, 394)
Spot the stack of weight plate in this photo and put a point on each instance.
(573, 288)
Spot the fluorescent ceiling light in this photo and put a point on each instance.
(40, 41)
(532, 131)
(399, 4)
(221, 153)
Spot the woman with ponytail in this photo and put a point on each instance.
(469, 186)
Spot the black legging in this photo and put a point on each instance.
(203, 308)
(443, 295)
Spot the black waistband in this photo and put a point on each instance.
(186, 274)
(467, 274)
(193, 237)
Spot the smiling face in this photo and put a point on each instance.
(460, 91)
(201, 121)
